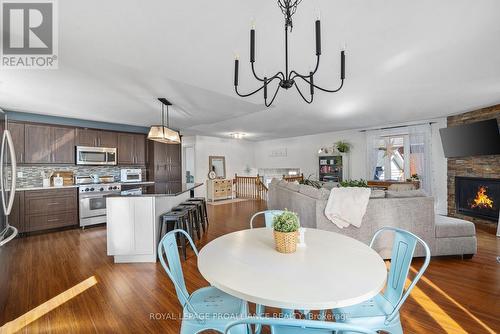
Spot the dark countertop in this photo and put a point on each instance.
(164, 189)
(27, 188)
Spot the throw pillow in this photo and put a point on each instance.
(309, 191)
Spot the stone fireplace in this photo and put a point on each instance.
(477, 197)
(466, 169)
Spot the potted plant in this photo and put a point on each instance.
(342, 146)
(285, 227)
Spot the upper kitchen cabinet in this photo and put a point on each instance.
(96, 138)
(140, 149)
(63, 150)
(107, 139)
(49, 144)
(17, 133)
(131, 149)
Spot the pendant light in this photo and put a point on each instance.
(162, 133)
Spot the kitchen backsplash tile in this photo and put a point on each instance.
(32, 176)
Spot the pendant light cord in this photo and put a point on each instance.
(168, 125)
(163, 120)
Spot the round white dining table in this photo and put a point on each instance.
(331, 271)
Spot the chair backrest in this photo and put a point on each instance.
(403, 248)
(268, 217)
(172, 263)
(284, 325)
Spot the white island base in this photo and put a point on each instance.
(133, 225)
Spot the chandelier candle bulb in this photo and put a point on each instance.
(342, 65)
(236, 65)
(318, 37)
(311, 83)
(265, 88)
(252, 45)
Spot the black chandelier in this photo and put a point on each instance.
(288, 79)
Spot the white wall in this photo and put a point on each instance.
(439, 169)
(239, 155)
(302, 152)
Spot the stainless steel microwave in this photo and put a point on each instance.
(86, 155)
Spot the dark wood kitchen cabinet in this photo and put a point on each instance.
(16, 217)
(131, 149)
(107, 139)
(49, 144)
(17, 133)
(96, 138)
(48, 209)
(38, 143)
(164, 163)
(63, 141)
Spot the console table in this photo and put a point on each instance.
(218, 189)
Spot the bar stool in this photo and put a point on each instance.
(204, 212)
(176, 220)
(193, 219)
(199, 212)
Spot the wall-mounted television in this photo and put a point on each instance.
(478, 138)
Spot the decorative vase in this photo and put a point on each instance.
(285, 242)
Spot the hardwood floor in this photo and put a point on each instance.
(76, 288)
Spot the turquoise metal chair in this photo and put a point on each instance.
(382, 311)
(268, 217)
(298, 326)
(206, 308)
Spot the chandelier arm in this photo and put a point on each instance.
(255, 74)
(296, 74)
(302, 95)
(276, 76)
(247, 95)
(324, 89)
(274, 96)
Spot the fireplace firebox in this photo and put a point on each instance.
(477, 197)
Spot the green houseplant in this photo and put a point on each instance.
(285, 226)
(354, 183)
(342, 146)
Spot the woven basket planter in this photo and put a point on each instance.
(286, 242)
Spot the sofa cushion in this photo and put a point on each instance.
(293, 186)
(377, 193)
(282, 183)
(404, 194)
(330, 185)
(314, 192)
(448, 227)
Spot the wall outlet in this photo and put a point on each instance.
(20, 174)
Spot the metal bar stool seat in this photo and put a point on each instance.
(204, 212)
(193, 219)
(173, 220)
(200, 212)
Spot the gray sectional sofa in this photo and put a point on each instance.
(444, 235)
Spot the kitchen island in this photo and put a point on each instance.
(133, 221)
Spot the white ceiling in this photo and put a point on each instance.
(406, 60)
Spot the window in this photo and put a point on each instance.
(400, 153)
(393, 157)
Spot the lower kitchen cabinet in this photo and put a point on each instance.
(47, 209)
(16, 217)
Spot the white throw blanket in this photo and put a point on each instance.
(347, 205)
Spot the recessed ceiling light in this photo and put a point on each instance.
(238, 135)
